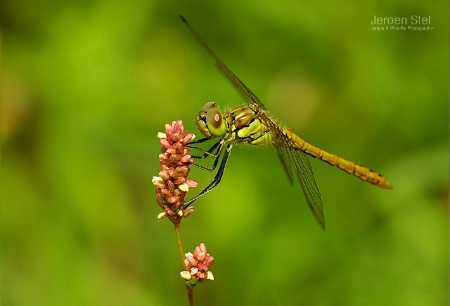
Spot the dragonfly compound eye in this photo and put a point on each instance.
(215, 122)
(208, 106)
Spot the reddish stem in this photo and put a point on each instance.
(190, 290)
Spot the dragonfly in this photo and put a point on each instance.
(252, 124)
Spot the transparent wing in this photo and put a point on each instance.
(295, 161)
(243, 90)
(283, 154)
(308, 182)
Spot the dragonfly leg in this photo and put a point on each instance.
(214, 152)
(216, 180)
(197, 141)
(206, 153)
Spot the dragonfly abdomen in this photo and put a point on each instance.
(350, 167)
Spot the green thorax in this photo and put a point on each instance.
(249, 124)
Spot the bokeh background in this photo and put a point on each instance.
(86, 86)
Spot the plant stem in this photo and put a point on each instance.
(180, 244)
(190, 291)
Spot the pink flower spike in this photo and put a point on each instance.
(172, 183)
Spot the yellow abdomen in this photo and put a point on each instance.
(350, 167)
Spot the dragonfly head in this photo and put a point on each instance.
(210, 121)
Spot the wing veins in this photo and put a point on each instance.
(294, 160)
(240, 86)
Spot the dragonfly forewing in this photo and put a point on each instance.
(240, 86)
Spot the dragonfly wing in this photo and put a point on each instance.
(284, 157)
(296, 161)
(305, 175)
(244, 90)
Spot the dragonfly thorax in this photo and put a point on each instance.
(210, 121)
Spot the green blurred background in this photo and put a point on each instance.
(86, 86)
